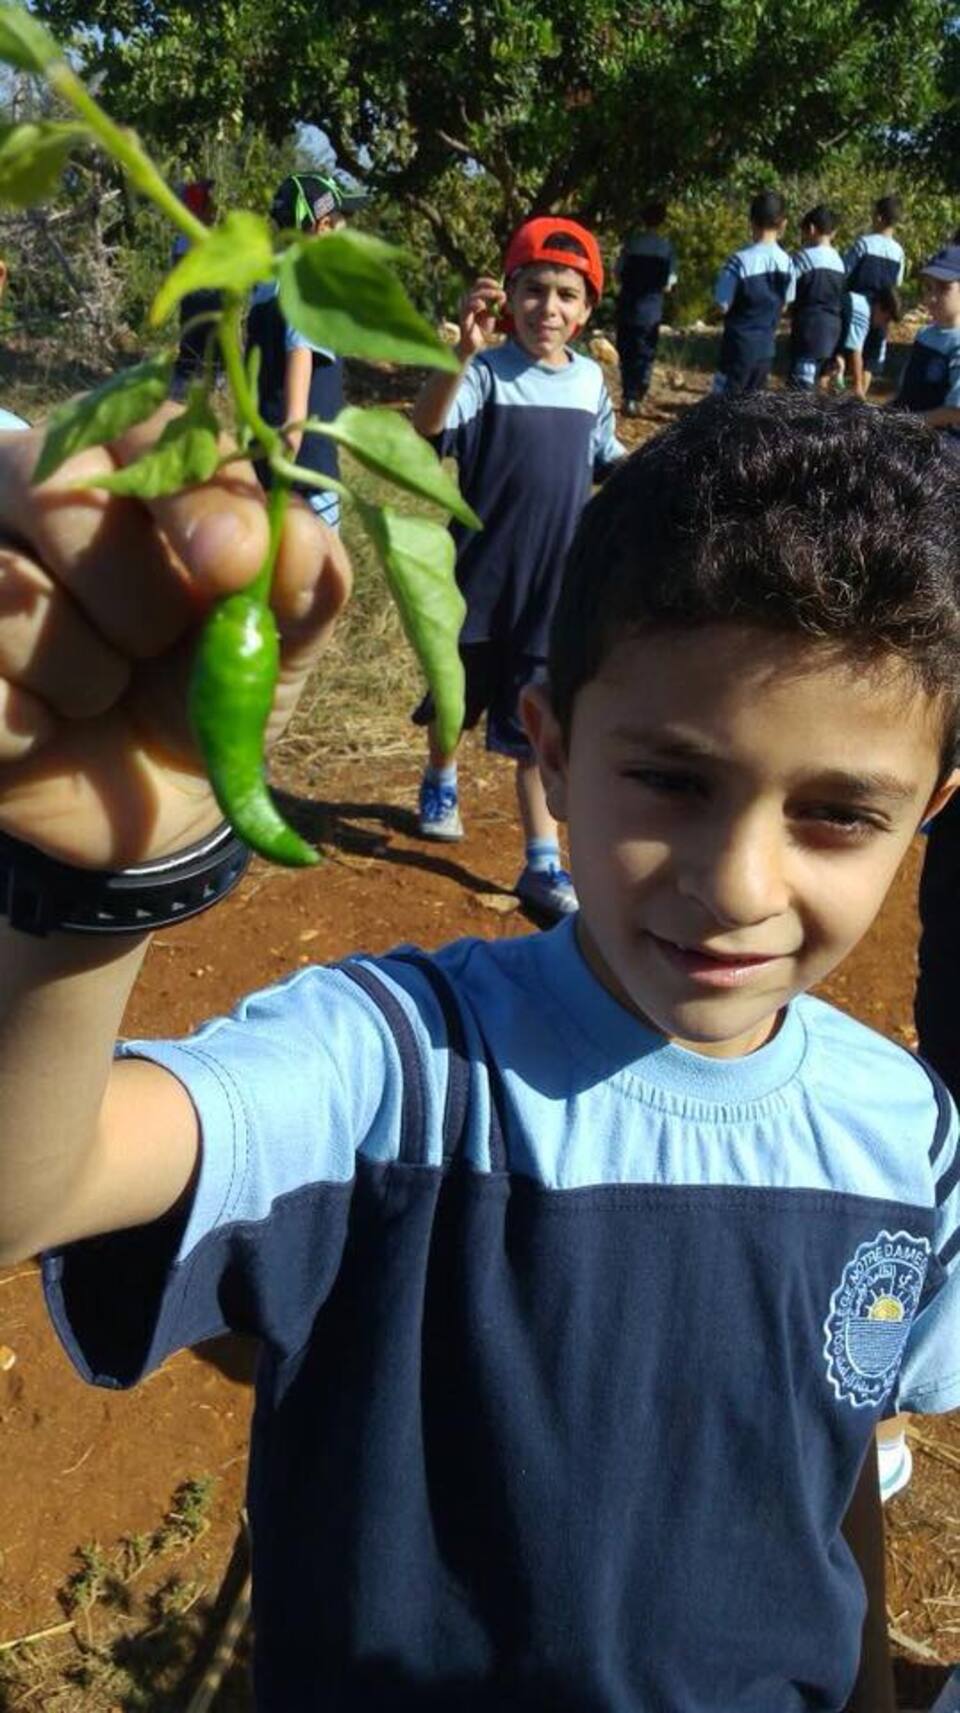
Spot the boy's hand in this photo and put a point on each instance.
(100, 601)
(477, 314)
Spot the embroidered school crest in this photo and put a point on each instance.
(870, 1315)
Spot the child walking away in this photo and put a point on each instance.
(646, 268)
(931, 382)
(584, 1263)
(531, 426)
(299, 380)
(876, 261)
(817, 315)
(857, 319)
(753, 288)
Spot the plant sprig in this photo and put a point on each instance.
(340, 291)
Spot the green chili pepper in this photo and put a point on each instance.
(231, 694)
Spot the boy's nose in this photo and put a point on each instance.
(737, 871)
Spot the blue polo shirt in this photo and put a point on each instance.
(932, 375)
(573, 1341)
(645, 268)
(818, 302)
(873, 262)
(753, 287)
(529, 439)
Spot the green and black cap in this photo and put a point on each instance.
(306, 197)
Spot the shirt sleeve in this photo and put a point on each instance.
(606, 450)
(459, 434)
(929, 1380)
(294, 340)
(289, 1091)
(851, 256)
(725, 287)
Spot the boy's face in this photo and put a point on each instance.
(549, 305)
(942, 299)
(738, 804)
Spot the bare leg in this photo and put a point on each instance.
(535, 817)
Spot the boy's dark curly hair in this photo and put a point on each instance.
(830, 520)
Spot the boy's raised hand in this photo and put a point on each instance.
(477, 314)
(101, 597)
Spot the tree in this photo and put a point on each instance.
(556, 105)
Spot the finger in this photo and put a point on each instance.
(311, 586)
(104, 549)
(218, 530)
(49, 649)
(25, 723)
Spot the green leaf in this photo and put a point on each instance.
(187, 452)
(388, 444)
(25, 43)
(339, 292)
(418, 557)
(32, 158)
(233, 256)
(97, 417)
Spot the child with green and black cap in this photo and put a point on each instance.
(297, 379)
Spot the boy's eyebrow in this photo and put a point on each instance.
(871, 782)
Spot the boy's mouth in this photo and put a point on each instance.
(713, 969)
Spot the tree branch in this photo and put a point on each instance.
(449, 248)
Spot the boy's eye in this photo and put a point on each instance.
(665, 781)
(843, 818)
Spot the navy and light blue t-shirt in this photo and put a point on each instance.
(269, 332)
(645, 268)
(932, 376)
(753, 288)
(874, 262)
(529, 440)
(820, 281)
(573, 1340)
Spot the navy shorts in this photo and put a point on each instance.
(494, 680)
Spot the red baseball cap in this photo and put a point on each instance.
(562, 242)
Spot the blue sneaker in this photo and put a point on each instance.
(439, 811)
(548, 890)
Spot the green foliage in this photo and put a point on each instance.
(32, 159)
(592, 106)
(386, 443)
(238, 254)
(186, 452)
(340, 292)
(99, 416)
(24, 43)
(420, 574)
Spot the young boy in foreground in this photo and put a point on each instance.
(531, 426)
(584, 1263)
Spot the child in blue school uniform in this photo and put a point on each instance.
(753, 288)
(816, 319)
(296, 379)
(874, 262)
(645, 270)
(583, 1263)
(532, 428)
(931, 380)
(859, 315)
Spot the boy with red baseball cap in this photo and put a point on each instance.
(532, 427)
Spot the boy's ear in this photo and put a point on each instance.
(941, 796)
(543, 729)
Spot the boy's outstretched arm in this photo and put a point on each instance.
(476, 312)
(101, 598)
(863, 1532)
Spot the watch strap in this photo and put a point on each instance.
(39, 894)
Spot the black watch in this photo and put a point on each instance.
(40, 895)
